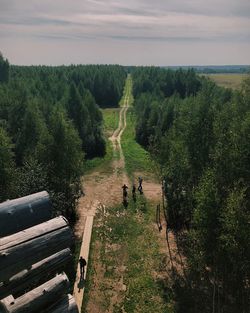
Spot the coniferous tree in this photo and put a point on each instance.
(7, 167)
(4, 69)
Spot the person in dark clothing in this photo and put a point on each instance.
(134, 193)
(125, 193)
(83, 263)
(140, 185)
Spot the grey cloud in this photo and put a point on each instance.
(29, 21)
(130, 21)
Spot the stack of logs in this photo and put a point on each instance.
(34, 250)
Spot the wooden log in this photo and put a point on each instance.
(66, 305)
(19, 251)
(22, 280)
(25, 212)
(39, 298)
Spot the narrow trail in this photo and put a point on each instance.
(119, 163)
(100, 190)
(103, 189)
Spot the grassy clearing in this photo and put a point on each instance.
(127, 93)
(136, 158)
(111, 122)
(104, 164)
(228, 80)
(125, 258)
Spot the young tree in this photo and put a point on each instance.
(7, 167)
(65, 161)
(4, 69)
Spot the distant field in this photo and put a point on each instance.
(227, 80)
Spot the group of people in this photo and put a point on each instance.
(82, 261)
(125, 191)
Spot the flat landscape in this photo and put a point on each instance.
(227, 80)
(129, 122)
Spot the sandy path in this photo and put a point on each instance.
(100, 190)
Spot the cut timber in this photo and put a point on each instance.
(19, 251)
(25, 212)
(38, 272)
(37, 299)
(66, 304)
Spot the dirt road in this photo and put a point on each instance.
(100, 189)
(103, 188)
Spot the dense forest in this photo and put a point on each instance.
(200, 135)
(50, 122)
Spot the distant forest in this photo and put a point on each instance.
(200, 135)
(50, 122)
(214, 69)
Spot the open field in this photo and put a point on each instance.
(228, 80)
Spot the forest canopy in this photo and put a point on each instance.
(200, 135)
(50, 122)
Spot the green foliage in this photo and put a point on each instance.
(64, 150)
(7, 166)
(136, 158)
(134, 260)
(105, 82)
(64, 157)
(110, 124)
(32, 134)
(203, 146)
(54, 122)
(111, 120)
(4, 69)
(31, 177)
(164, 82)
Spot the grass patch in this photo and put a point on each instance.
(127, 93)
(111, 120)
(110, 123)
(137, 159)
(233, 81)
(126, 247)
(103, 163)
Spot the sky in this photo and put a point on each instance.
(127, 32)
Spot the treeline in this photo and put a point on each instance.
(105, 82)
(202, 142)
(161, 82)
(50, 123)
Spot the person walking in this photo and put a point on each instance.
(125, 195)
(134, 192)
(140, 185)
(82, 263)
